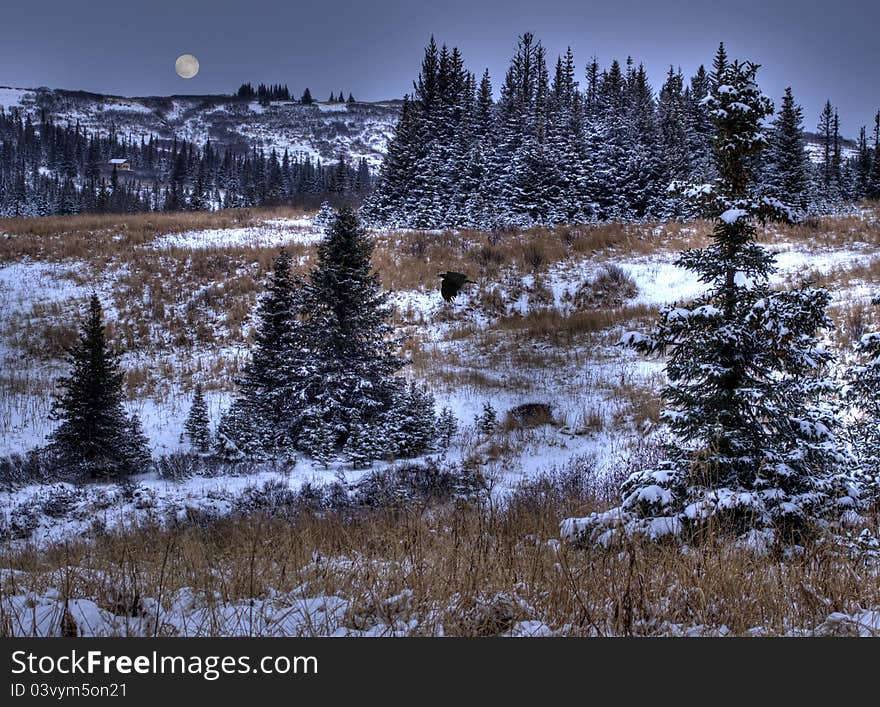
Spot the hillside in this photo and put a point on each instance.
(319, 130)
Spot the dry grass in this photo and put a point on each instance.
(830, 231)
(471, 570)
(93, 237)
(412, 260)
(563, 330)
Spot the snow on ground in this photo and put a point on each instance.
(583, 386)
(25, 284)
(332, 107)
(128, 106)
(304, 612)
(275, 232)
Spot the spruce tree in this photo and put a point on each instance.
(447, 427)
(755, 441)
(487, 421)
(306, 98)
(827, 185)
(95, 438)
(353, 353)
(787, 167)
(268, 413)
(873, 189)
(863, 392)
(197, 426)
(411, 423)
(719, 66)
(862, 165)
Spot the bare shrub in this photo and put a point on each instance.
(529, 415)
(611, 287)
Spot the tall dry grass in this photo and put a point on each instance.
(472, 570)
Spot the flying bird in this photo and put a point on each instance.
(451, 284)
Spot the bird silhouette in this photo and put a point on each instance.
(451, 284)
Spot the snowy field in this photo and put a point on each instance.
(596, 389)
(275, 232)
(537, 334)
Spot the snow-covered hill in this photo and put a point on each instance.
(320, 130)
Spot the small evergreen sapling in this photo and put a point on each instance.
(197, 426)
(411, 425)
(447, 427)
(487, 421)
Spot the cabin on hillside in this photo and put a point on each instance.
(120, 164)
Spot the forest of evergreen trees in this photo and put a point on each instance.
(48, 169)
(549, 152)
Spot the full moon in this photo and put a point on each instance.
(186, 66)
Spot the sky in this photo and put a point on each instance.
(373, 48)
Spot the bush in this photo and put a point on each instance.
(433, 480)
(274, 498)
(35, 466)
(59, 501)
(179, 466)
(20, 522)
(529, 415)
(561, 489)
(611, 287)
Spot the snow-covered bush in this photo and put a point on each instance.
(59, 500)
(179, 466)
(19, 522)
(273, 498)
(433, 480)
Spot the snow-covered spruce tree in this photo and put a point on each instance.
(863, 392)
(197, 426)
(95, 438)
(447, 427)
(354, 360)
(755, 448)
(358, 450)
(873, 186)
(411, 423)
(267, 414)
(487, 421)
(137, 444)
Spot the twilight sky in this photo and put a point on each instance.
(373, 48)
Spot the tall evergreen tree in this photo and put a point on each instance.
(719, 66)
(787, 167)
(827, 182)
(873, 190)
(266, 418)
(94, 435)
(354, 354)
(755, 446)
